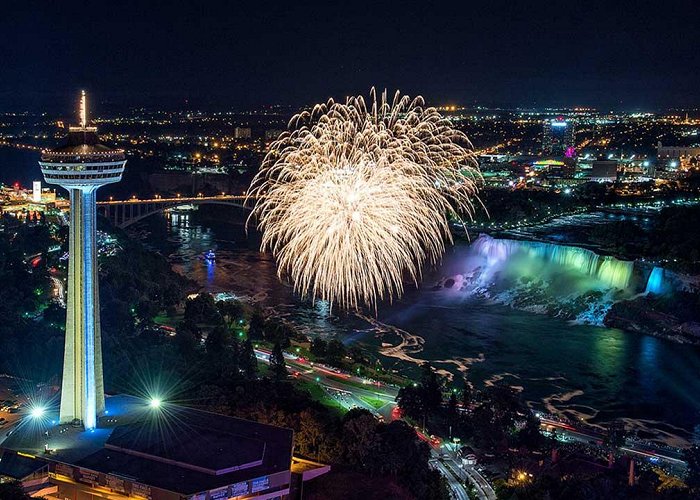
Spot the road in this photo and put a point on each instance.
(457, 474)
(672, 461)
(453, 481)
(483, 487)
(351, 391)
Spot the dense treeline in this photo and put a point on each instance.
(674, 237)
(508, 205)
(31, 329)
(210, 363)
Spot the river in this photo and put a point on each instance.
(583, 372)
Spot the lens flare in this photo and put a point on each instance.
(355, 198)
(37, 412)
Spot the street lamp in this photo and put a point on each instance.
(37, 412)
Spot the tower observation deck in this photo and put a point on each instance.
(81, 166)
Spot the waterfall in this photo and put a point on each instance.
(609, 270)
(655, 283)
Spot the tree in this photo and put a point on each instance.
(186, 339)
(230, 310)
(410, 401)
(218, 340)
(467, 394)
(201, 309)
(278, 367)
(360, 439)
(452, 408)
(314, 439)
(12, 491)
(248, 360)
(256, 328)
(405, 457)
(318, 348)
(430, 388)
(505, 402)
(692, 458)
(335, 352)
(530, 436)
(277, 330)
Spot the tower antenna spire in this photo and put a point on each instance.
(83, 110)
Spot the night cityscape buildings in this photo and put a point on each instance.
(558, 137)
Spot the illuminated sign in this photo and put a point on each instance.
(259, 484)
(87, 476)
(140, 490)
(219, 494)
(239, 489)
(116, 484)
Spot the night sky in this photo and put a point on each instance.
(614, 54)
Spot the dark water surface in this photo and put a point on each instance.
(585, 372)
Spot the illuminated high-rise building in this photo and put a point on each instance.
(558, 138)
(81, 166)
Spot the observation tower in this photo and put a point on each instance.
(81, 166)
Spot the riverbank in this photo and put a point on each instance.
(669, 318)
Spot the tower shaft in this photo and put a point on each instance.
(82, 396)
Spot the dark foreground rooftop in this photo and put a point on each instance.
(172, 448)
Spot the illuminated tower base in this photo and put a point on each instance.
(81, 166)
(82, 393)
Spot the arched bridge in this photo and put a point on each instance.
(123, 213)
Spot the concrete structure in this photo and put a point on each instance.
(127, 212)
(604, 171)
(677, 152)
(558, 137)
(81, 166)
(242, 133)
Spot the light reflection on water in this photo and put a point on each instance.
(584, 372)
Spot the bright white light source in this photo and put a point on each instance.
(154, 403)
(37, 412)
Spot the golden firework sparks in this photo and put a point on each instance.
(353, 199)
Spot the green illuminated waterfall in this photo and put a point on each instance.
(608, 270)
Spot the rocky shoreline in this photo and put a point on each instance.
(651, 316)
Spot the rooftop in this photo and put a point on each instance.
(81, 142)
(174, 448)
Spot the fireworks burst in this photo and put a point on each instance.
(354, 199)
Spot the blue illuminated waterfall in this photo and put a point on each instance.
(655, 283)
